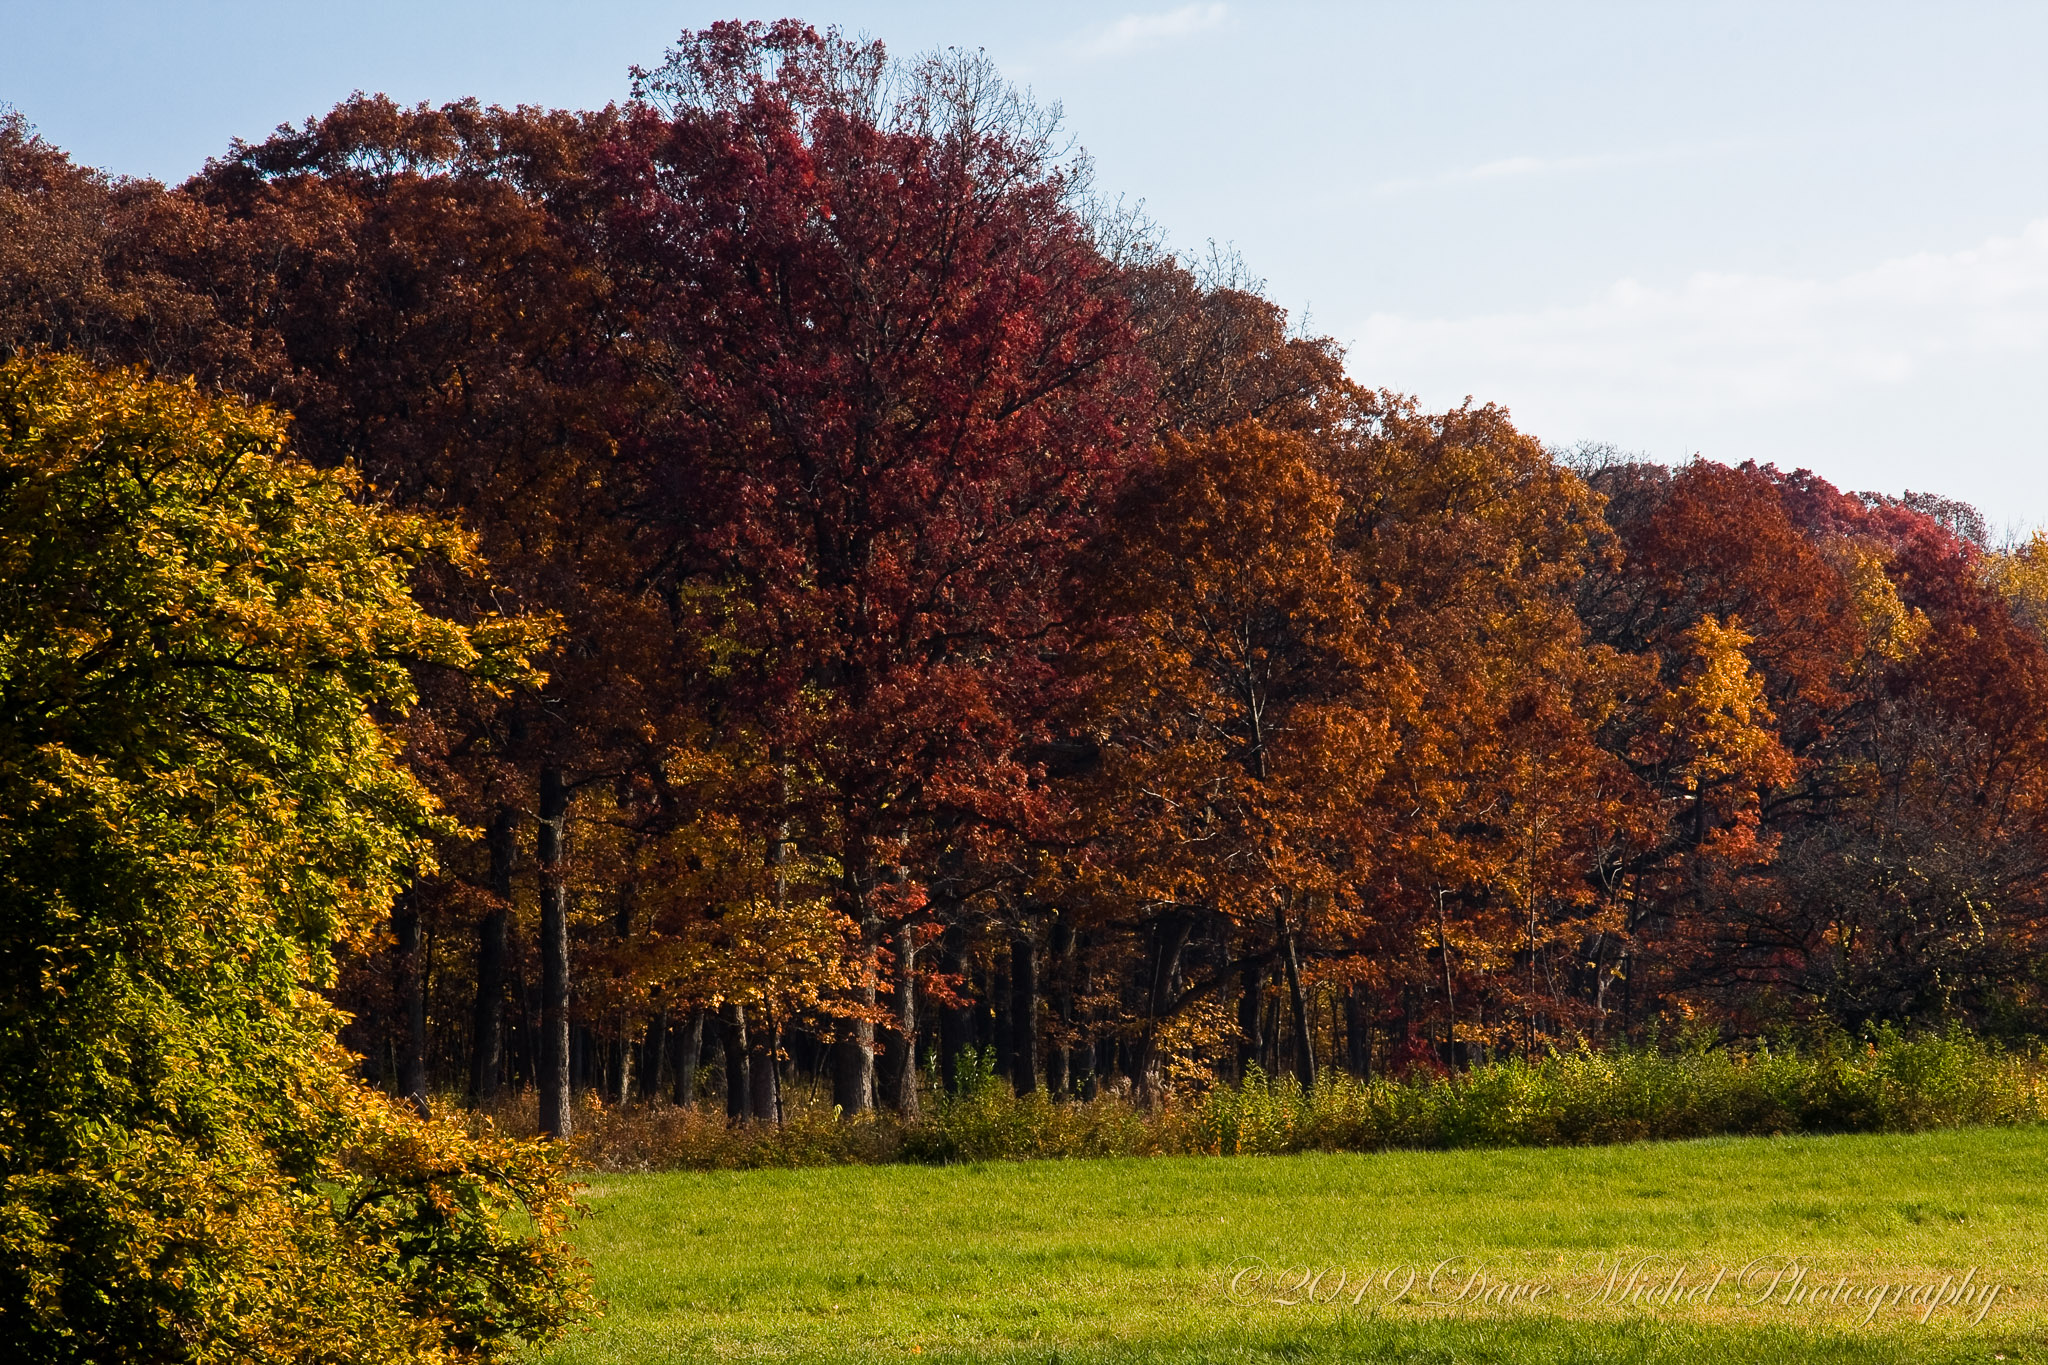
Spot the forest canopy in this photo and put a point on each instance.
(776, 578)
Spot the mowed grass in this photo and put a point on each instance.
(1131, 1259)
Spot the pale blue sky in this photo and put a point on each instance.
(1814, 233)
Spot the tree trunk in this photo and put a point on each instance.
(1082, 1065)
(556, 1116)
(522, 1027)
(1063, 1006)
(956, 1022)
(732, 1038)
(1024, 1014)
(853, 1067)
(996, 1021)
(1251, 1009)
(1170, 938)
(1443, 946)
(619, 1069)
(763, 1076)
(901, 1088)
(853, 1055)
(487, 1026)
(1304, 1040)
(764, 1060)
(412, 1002)
(688, 1041)
(654, 1056)
(1357, 1031)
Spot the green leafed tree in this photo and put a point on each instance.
(201, 640)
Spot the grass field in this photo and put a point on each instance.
(1133, 1259)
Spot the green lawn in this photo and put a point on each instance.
(1131, 1260)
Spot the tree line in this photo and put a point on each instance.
(971, 628)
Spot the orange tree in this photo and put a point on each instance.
(1241, 705)
(1505, 811)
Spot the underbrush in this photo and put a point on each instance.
(1887, 1084)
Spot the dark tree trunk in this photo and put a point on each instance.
(1407, 1024)
(1024, 1014)
(997, 1021)
(688, 1040)
(579, 1058)
(654, 1056)
(412, 1002)
(1357, 1031)
(487, 1026)
(522, 1031)
(1304, 1038)
(900, 1083)
(763, 1076)
(1270, 1030)
(732, 1036)
(619, 1048)
(1251, 1010)
(556, 1118)
(618, 1069)
(1063, 1006)
(853, 1068)
(1443, 944)
(765, 1056)
(956, 1022)
(1082, 1066)
(1170, 936)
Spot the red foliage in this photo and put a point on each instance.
(897, 389)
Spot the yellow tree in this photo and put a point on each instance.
(198, 805)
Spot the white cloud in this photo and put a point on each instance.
(1532, 167)
(1136, 31)
(1722, 344)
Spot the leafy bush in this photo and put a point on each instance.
(1886, 1083)
(984, 1119)
(197, 804)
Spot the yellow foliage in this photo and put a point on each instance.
(1717, 719)
(1892, 631)
(198, 639)
(2020, 576)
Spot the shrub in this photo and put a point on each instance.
(1885, 1083)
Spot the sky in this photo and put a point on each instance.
(1812, 234)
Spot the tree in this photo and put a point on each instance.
(1844, 737)
(412, 279)
(1505, 807)
(897, 379)
(198, 806)
(1242, 708)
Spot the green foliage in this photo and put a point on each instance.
(197, 803)
(985, 1119)
(1885, 1084)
